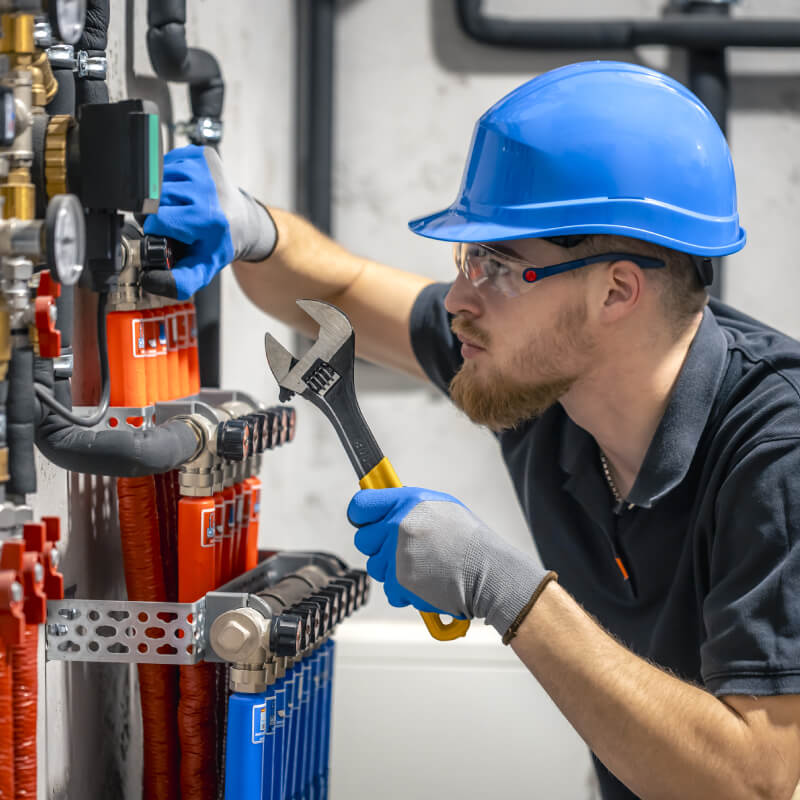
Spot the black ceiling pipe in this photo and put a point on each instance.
(706, 29)
(689, 31)
(314, 111)
(173, 60)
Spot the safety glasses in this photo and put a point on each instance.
(483, 265)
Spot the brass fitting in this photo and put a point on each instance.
(19, 195)
(55, 154)
(19, 43)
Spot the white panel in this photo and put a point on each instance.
(418, 718)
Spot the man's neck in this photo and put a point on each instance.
(622, 402)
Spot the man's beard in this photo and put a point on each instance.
(501, 402)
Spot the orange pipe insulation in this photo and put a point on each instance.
(251, 537)
(6, 725)
(196, 709)
(144, 578)
(24, 692)
(237, 563)
(194, 353)
(229, 532)
(219, 538)
(127, 357)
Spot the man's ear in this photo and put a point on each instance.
(622, 289)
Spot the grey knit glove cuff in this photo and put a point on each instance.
(454, 561)
(253, 231)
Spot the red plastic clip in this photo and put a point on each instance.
(53, 527)
(53, 579)
(35, 536)
(49, 335)
(12, 616)
(47, 286)
(35, 607)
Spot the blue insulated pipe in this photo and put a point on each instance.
(322, 722)
(247, 728)
(309, 734)
(292, 683)
(273, 780)
(327, 720)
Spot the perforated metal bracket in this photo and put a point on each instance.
(124, 632)
(121, 631)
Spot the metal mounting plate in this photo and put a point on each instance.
(124, 632)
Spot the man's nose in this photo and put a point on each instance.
(463, 297)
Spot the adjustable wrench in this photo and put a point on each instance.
(324, 376)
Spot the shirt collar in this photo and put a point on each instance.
(673, 446)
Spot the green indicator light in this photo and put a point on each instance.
(154, 136)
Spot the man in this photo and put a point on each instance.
(654, 441)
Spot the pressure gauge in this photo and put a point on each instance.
(67, 18)
(65, 232)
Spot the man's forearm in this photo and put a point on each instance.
(306, 263)
(660, 736)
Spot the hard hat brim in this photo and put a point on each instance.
(454, 224)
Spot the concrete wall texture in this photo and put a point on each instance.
(412, 718)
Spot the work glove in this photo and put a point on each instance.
(218, 222)
(430, 551)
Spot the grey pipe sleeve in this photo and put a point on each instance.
(20, 422)
(118, 453)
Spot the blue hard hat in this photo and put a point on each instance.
(597, 147)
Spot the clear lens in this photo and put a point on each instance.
(481, 266)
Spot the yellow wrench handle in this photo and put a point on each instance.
(383, 476)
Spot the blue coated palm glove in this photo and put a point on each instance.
(218, 222)
(433, 553)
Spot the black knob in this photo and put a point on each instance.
(155, 252)
(348, 585)
(329, 613)
(339, 605)
(286, 635)
(258, 427)
(314, 629)
(233, 439)
(273, 428)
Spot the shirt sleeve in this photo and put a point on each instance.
(437, 350)
(751, 611)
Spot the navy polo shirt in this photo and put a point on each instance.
(699, 572)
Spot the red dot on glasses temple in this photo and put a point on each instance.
(529, 275)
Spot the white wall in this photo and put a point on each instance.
(409, 87)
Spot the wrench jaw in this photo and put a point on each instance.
(325, 376)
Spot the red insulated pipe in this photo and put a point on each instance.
(25, 687)
(6, 726)
(144, 578)
(196, 711)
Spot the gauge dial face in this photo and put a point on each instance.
(68, 17)
(66, 238)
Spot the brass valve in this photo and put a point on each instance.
(19, 43)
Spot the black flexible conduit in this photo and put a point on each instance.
(706, 29)
(173, 60)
